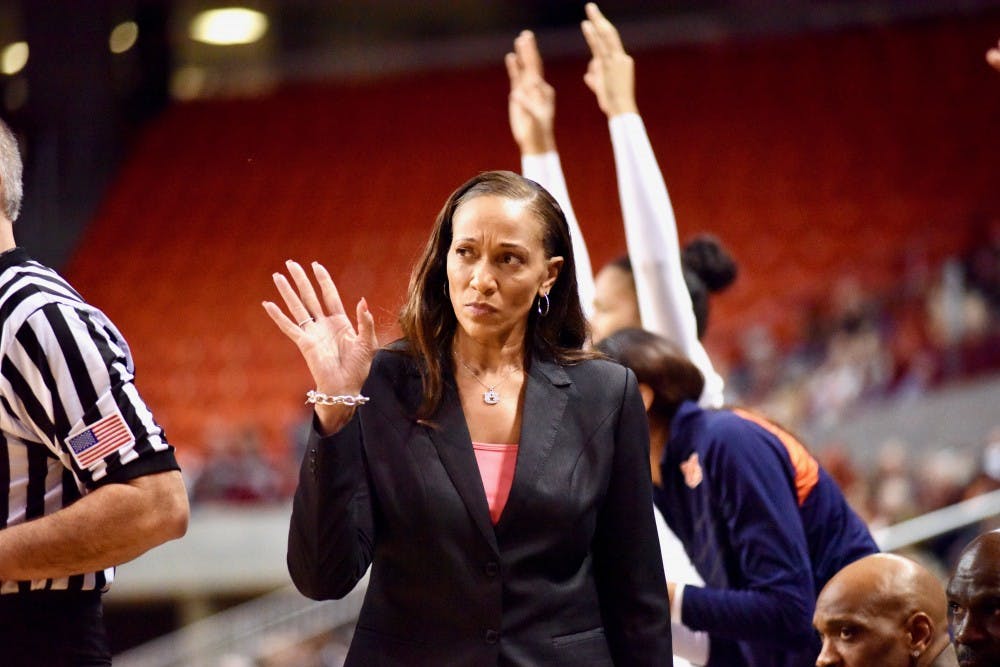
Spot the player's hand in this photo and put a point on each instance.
(611, 71)
(532, 101)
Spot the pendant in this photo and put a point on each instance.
(490, 396)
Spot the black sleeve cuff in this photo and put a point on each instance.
(163, 461)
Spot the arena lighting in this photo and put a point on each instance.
(123, 37)
(228, 25)
(14, 57)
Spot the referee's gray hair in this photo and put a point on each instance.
(11, 187)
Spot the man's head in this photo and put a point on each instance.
(10, 174)
(974, 602)
(881, 610)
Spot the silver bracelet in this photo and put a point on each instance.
(319, 398)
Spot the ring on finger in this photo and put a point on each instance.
(306, 321)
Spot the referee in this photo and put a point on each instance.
(91, 481)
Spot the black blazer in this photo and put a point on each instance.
(571, 575)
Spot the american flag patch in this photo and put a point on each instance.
(101, 438)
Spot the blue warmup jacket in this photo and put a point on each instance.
(764, 525)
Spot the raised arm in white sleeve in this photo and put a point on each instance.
(654, 249)
(650, 230)
(546, 170)
(532, 110)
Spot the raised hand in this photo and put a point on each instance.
(611, 71)
(532, 101)
(338, 356)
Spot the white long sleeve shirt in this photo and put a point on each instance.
(651, 237)
(546, 170)
(654, 249)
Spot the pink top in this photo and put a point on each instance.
(496, 467)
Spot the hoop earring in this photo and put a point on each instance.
(545, 312)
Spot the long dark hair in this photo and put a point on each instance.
(659, 364)
(428, 321)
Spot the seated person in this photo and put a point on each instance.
(974, 602)
(883, 610)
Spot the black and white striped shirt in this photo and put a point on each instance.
(71, 419)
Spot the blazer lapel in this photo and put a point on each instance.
(545, 399)
(454, 446)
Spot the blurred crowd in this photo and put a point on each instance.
(935, 325)
(900, 486)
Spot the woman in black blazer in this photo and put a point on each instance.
(493, 473)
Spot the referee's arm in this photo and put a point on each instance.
(107, 527)
(70, 367)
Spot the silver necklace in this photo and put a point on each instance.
(490, 396)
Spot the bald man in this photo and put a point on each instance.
(974, 602)
(883, 610)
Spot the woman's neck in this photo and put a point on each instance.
(658, 436)
(487, 356)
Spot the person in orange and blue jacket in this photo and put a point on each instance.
(764, 525)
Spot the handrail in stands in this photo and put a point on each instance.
(938, 522)
(246, 629)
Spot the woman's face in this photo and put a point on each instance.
(615, 304)
(497, 267)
